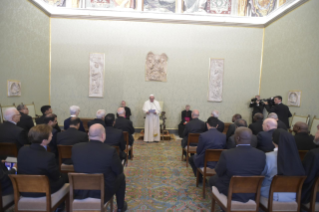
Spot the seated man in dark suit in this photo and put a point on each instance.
(114, 137)
(186, 117)
(52, 120)
(264, 138)
(9, 131)
(257, 126)
(74, 113)
(232, 127)
(221, 125)
(35, 160)
(280, 124)
(26, 121)
(96, 157)
(212, 139)
(234, 162)
(100, 115)
(303, 139)
(194, 126)
(280, 109)
(6, 184)
(124, 124)
(72, 136)
(46, 110)
(231, 143)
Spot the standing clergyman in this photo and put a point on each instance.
(152, 109)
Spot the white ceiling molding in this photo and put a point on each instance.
(178, 18)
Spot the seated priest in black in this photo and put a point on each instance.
(221, 125)
(264, 138)
(186, 117)
(311, 166)
(124, 124)
(51, 120)
(194, 126)
(257, 126)
(74, 113)
(231, 140)
(127, 110)
(232, 127)
(6, 184)
(36, 160)
(100, 115)
(72, 136)
(26, 121)
(234, 162)
(280, 124)
(46, 110)
(114, 137)
(96, 157)
(211, 139)
(303, 139)
(9, 131)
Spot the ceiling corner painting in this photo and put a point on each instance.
(261, 8)
(219, 7)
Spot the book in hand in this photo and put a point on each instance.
(151, 111)
(11, 160)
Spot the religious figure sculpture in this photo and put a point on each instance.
(156, 67)
(96, 75)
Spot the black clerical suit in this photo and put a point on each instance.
(304, 141)
(53, 144)
(67, 124)
(230, 131)
(96, 121)
(240, 161)
(125, 125)
(41, 121)
(35, 160)
(6, 184)
(97, 157)
(281, 125)
(194, 126)
(257, 108)
(10, 133)
(181, 126)
(71, 136)
(282, 112)
(311, 166)
(232, 144)
(114, 137)
(256, 127)
(221, 126)
(26, 122)
(265, 141)
(212, 139)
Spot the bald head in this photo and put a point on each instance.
(12, 114)
(215, 113)
(300, 127)
(121, 111)
(97, 132)
(269, 124)
(243, 135)
(195, 114)
(273, 116)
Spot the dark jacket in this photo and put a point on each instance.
(265, 141)
(230, 131)
(281, 125)
(35, 160)
(67, 124)
(96, 121)
(125, 125)
(26, 122)
(304, 141)
(221, 126)
(6, 185)
(232, 144)
(97, 157)
(10, 133)
(256, 127)
(240, 161)
(282, 112)
(114, 137)
(194, 126)
(212, 139)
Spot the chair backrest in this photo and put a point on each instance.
(286, 184)
(65, 151)
(245, 184)
(117, 149)
(85, 122)
(32, 184)
(302, 154)
(193, 138)
(126, 139)
(8, 149)
(295, 118)
(314, 124)
(212, 155)
(226, 126)
(82, 181)
(315, 189)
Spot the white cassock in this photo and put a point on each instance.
(152, 123)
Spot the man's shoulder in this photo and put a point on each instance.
(8, 125)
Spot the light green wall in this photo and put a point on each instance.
(126, 45)
(291, 58)
(24, 52)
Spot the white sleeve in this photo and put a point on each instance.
(145, 107)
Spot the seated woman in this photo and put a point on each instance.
(284, 160)
(186, 117)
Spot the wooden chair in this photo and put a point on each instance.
(80, 181)
(118, 152)
(239, 184)
(302, 154)
(129, 149)
(312, 206)
(8, 149)
(37, 184)
(192, 139)
(226, 126)
(85, 122)
(295, 118)
(6, 201)
(211, 155)
(283, 184)
(65, 152)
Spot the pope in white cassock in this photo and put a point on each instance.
(152, 109)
